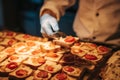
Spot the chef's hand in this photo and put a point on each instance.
(49, 24)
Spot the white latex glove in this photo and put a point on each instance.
(49, 24)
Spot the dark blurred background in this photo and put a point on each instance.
(23, 16)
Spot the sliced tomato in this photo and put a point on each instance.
(61, 76)
(102, 49)
(69, 69)
(26, 36)
(36, 52)
(9, 34)
(49, 67)
(30, 44)
(77, 44)
(69, 39)
(91, 45)
(90, 57)
(34, 38)
(11, 42)
(41, 60)
(42, 74)
(13, 57)
(21, 72)
(51, 54)
(12, 65)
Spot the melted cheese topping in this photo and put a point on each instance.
(17, 58)
(56, 67)
(49, 46)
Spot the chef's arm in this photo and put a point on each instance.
(56, 8)
(50, 14)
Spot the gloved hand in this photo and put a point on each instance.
(49, 24)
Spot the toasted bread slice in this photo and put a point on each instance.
(22, 72)
(35, 61)
(72, 71)
(67, 41)
(9, 34)
(7, 66)
(92, 58)
(8, 42)
(8, 51)
(22, 37)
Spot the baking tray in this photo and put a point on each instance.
(92, 74)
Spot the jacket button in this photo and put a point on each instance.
(94, 37)
(97, 14)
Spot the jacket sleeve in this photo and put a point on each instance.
(58, 7)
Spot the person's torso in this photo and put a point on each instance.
(100, 17)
